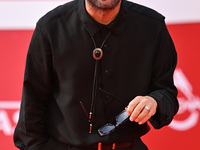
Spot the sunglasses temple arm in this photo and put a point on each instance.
(112, 96)
(84, 109)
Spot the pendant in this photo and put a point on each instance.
(97, 53)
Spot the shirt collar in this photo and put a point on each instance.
(91, 25)
(88, 22)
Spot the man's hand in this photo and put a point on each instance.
(141, 108)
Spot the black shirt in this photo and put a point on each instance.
(139, 58)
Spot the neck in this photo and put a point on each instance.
(103, 16)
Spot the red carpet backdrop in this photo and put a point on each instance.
(17, 22)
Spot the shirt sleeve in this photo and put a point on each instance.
(30, 133)
(163, 89)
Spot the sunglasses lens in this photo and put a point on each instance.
(106, 129)
(109, 128)
(121, 117)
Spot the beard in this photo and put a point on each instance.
(104, 4)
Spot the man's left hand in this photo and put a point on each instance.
(141, 109)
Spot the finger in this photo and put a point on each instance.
(132, 105)
(137, 111)
(145, 119)
(145, 114)
(151, 111)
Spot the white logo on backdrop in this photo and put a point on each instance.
(7, 122)
(189, 103)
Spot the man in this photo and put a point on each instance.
(87, 61)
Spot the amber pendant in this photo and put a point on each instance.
(97, 53)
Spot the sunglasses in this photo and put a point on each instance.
(109, 128)
(121, 118)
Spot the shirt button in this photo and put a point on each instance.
(107, 99)
(106, 71)
(105, 46)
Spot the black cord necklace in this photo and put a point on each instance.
(97, 55)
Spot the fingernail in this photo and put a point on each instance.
(131, 119)
(140, 123)
(128, 113)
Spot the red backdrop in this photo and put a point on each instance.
(181, 134)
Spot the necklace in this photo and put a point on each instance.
(97, 52)
(97, 55)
